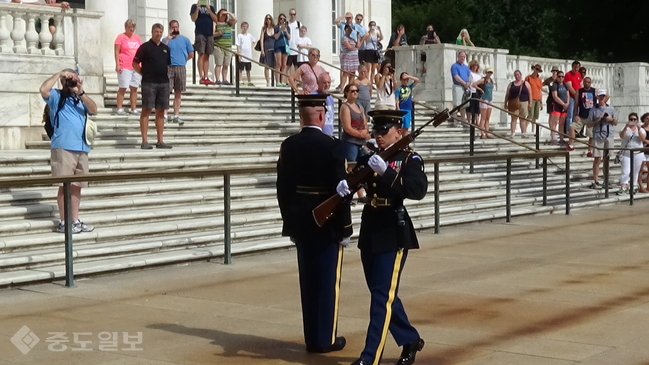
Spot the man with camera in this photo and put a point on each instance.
(69, 107)
(181, 50)
(603, 120)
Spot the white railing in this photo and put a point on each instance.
(18, 33)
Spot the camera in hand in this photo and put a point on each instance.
(71, 83)
(175, 32)
(391, 69)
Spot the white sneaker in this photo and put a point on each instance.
(268, 84)
(120, 112)
(135, 111)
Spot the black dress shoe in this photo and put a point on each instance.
(360, 362)
(410, 351)
(338, 345)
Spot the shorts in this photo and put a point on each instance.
(522, 110)
(155, 95)
(536, 109)
(66, 163)
(222, 57)
(291, 61)
(557, 109)
(280, 50)
(406, 121)
(578, 125)
(599, 145)
(485, 105)
(458, 93)
(128, 78)
(247, 66)
(369, 56)
(177, 78)
(204, 44)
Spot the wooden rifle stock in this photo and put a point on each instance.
(326, 209)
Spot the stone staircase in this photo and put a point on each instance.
(157, 222)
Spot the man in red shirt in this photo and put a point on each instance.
(573, 81)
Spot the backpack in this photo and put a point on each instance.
(48, 123)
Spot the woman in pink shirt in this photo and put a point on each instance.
(308, 73)
(126, 45)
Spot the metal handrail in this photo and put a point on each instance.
(545, 154)
(68, 180)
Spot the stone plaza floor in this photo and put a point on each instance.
(544, 290)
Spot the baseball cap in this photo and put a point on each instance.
(555, 68)
(601, 92)
(538, 67)
(489, 69)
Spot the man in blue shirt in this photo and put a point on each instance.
(204, 17)
(460, 73)
(181, 51)
(69, 150)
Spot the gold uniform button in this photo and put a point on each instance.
(376, 196)
(373, 185)
(375, 174)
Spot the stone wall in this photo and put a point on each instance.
(627, 83)
(24, 65)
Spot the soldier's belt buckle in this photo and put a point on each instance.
(379, 202)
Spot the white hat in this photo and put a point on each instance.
(601, 92)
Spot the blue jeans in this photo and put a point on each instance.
(570, 116)
(352, 151)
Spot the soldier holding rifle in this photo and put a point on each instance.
(311, 165)
(387, 234)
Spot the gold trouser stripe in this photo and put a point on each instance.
(339, 271)
(388, 306)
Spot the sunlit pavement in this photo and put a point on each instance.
(540, 290)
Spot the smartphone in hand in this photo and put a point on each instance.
(202, 2)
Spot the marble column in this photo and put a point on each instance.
(317, 17)
(179, 10)
(112, 24)
(254, 12)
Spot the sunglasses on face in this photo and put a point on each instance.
(293, 14)
(353, 90)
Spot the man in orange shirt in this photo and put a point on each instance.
(536, 84)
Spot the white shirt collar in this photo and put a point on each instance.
(313, 126)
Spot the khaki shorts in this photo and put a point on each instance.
(177, 78)
(578, 125)
(522, 111)
(599, 145)
(221, 57)
(66, 163)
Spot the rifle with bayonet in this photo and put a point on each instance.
(359, 174)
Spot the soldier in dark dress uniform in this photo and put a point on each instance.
(387, 234)
(311, 165)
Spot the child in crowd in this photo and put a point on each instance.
(303, 44)
(404, 95)
(245, 42)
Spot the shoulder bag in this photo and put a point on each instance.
(515, 103)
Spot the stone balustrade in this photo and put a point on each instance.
(627, 83)
(29, 55)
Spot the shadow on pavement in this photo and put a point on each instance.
(253, 347)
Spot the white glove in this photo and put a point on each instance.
(343, 189)
(345, 241)
(377, 164)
